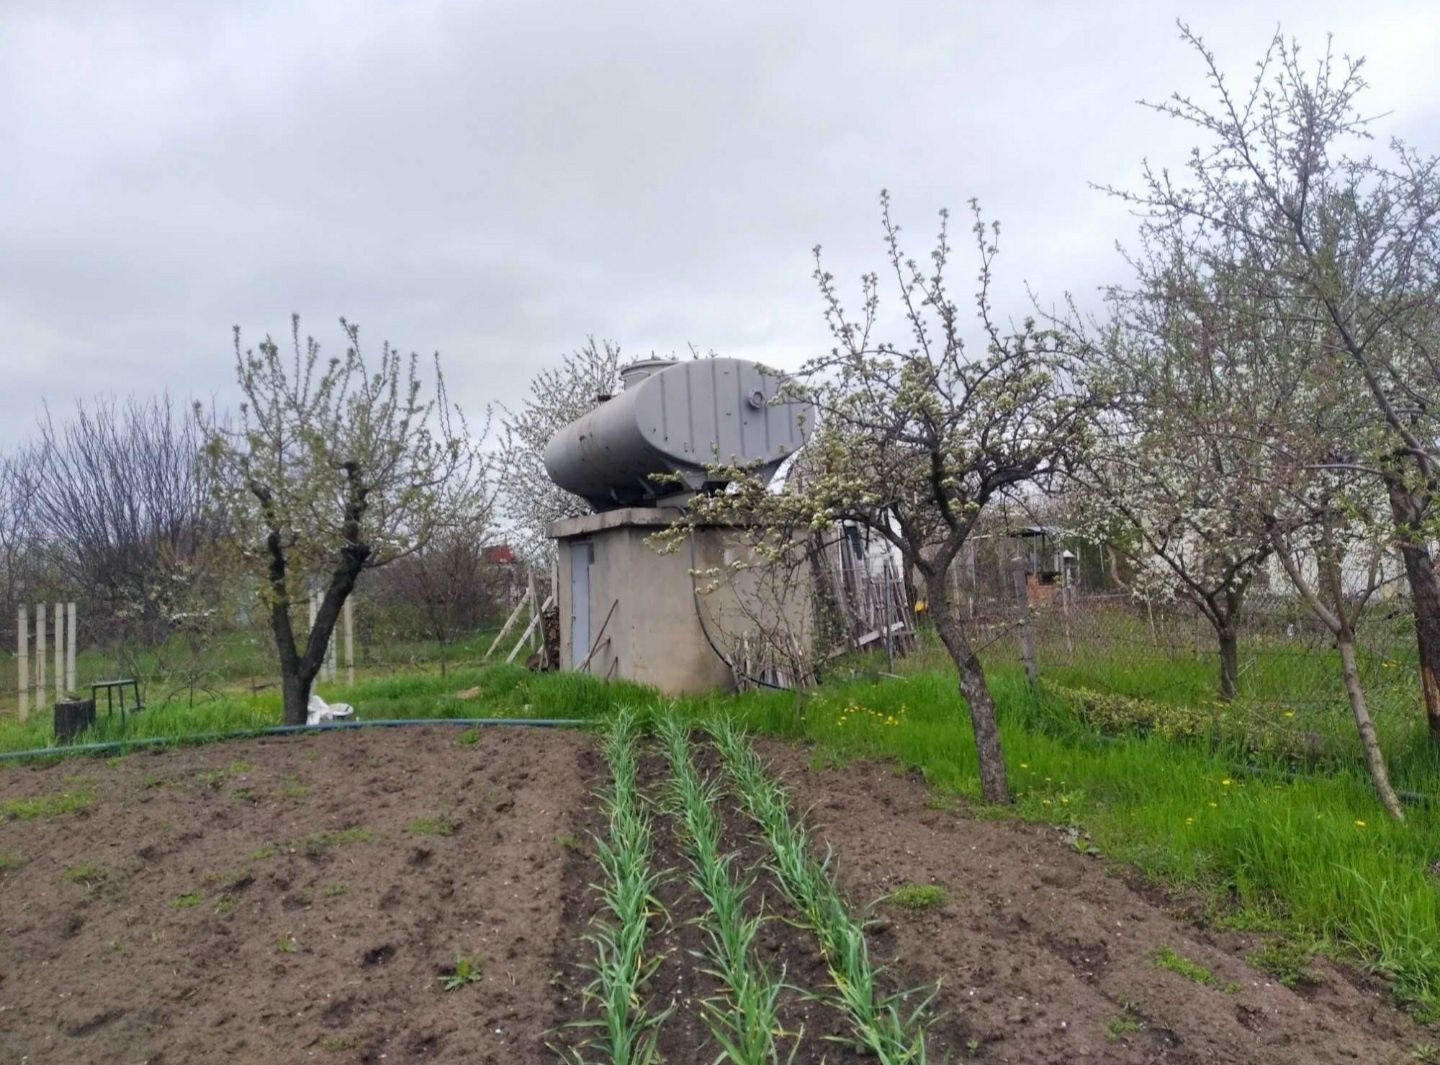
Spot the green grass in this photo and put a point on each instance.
(53, 804)
(187, 901)
(503, 691)
(1119, 1027)
(1308, 856)
(917, 897)
(1171, 960)
(431, 826)
(1287, 961)
(319, 843)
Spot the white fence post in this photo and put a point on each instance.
(40, 682)
(349, 643)
(70, 630)
(59, 651)
(22, 660)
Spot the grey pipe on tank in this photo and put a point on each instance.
(670, 423)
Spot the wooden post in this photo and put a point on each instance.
(349, 642)
(1027, 632)
(59, 651)
(534, 594)
(71, 678)
(22, 660)
(40, 682)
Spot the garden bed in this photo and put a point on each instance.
(307, 898)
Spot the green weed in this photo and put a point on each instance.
(1287, 961)
(1168, 958)
(88, 875)
(319, 843)
(464, 972)
(187, 901)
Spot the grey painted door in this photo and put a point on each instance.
(582, 553)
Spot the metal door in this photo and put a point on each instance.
(582, 554)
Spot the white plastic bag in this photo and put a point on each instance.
(319, 712)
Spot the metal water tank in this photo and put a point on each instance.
(674, 419)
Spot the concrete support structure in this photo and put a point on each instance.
(628, 611)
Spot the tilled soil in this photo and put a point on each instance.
(289, 899)
(1042, 948)
(299, 899)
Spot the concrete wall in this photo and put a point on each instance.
(642, 604)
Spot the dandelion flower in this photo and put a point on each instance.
(1359, 824)
(1226, 782)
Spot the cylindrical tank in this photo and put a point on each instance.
(673, 420)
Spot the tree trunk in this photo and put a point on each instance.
(1229, 662)
(1374, 758)
(1424, 596)
(296, 693)
(994, 785)
(1425, 602)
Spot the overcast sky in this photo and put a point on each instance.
(496, 180)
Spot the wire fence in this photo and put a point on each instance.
(1134, 665)
(229, 650)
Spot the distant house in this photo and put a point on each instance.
(499, 555)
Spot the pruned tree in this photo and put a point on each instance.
(917, 438)
(334, 467)
(1351, 241)
(557, 397)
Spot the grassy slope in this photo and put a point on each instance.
(1312, 856)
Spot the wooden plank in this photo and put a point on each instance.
(505, 629)
(524, 636)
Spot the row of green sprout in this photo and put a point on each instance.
(744, 1021)
(879, 1021)
(628, 1026)
(743, 1018)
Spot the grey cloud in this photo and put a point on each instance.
(498, 180)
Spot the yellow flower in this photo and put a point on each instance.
(1359, 824)
(920, 606)
(1189, 820)
(1215, 804)
(1289, 713)
(1024, 765)
(1226, 782)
